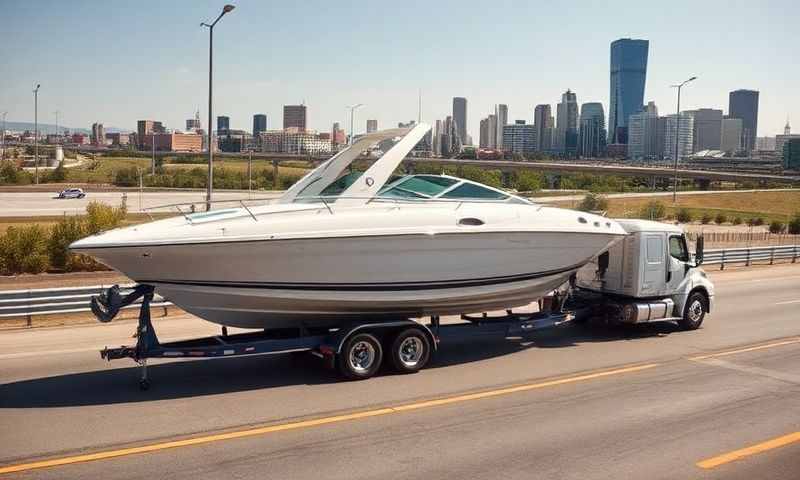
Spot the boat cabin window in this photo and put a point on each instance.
(472, 191)
(340, 185)
(427, 185)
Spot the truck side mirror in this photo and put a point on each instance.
(698, 252)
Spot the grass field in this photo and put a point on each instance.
(768, 205)
(47, 221)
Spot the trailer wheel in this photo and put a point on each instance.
(410, 351)
(694, 312)
(360, 357)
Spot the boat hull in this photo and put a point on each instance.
(327, 281)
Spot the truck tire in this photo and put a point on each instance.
(410, 351)
(360, 357)
(694, 311)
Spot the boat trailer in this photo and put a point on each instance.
(356, 349)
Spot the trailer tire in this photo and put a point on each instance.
(410, 351)
(360, 357)
(694, 311)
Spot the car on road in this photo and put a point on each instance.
(72, 193)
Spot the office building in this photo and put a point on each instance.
(174, 142)
(294, 116)
(744, 104)
(483, 134)
(731, 136)
(118, 139)
(791, 154)
(294, 141)
(543, 121)
(592, 132)
(707, 133)
(566, 141)
(646, 135)
(233, 141)
(194, 124)
(628, 75)
(223, 123)
(460, 117)
(372, 126)
(98, 135)
(678, 129)
(259, 124)
(780, 140)
(147, 127)
(519, 138)
(501, 120)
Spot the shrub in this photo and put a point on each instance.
(684, 215)
(527, 181)
(654, 210)
(593, 202)
(706, 218)
(101, 217)
(794, 224)
(755, 221)
(23, 250)
(737, 220)
(720, 218)
(777, 227)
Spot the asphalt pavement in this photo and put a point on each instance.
(574, 402)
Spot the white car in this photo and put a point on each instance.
(72, 193)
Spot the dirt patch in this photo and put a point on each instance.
(56, 280)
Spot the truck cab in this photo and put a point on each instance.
(650, 275)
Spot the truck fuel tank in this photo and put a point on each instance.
(641, 312)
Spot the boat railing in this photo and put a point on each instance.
(328, 202)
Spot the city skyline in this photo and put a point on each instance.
(160, 72)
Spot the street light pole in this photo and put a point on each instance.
(677, 137)
(36, 133)
(57, 113)
(352, 113)
(153, 162)
(3, 135)
(210, 186)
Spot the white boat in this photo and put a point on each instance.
(342, 247)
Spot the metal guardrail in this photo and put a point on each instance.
(46, 301)
(33, 302)
(749, 255)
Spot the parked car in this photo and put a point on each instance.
(72, 193)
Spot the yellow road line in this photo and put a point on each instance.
(751, 450)
(747, 349)
(316, 422)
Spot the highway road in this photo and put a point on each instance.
(24, 204)
(584, 402)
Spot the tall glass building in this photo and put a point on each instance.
(592, 138)
(744, 104)
(628, 74)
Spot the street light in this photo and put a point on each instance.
(677, 136)
(36, 133)
(210, 187)
(352, 112)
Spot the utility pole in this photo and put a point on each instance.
(677, 137)
(153, 163)
(36, 133)
(210, 186)
(3, 134)
(250, 173)
(57, 113)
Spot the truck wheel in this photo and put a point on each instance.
(410, 351)
(694, 312)
(360, 357)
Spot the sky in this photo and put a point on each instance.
(116, 61)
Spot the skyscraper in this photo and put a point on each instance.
(731, 138)
(501, 119)
(567, 125)
(460, 117)
(223, 123)
(628, 74)
(592, 130)
(294, 116)
(707, 129)
(519, 138)
(483, 137)
(491, 121)
(646, 135)
(372, 126)
(259, 124)
(684, 136)
(543, 122)
(744, 104)
(98, 134)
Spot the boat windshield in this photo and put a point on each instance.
(445, 188)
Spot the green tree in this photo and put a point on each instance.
(794, 224)
(528, 181)
(720, 218)
(777, 227)
(654, 210)
(593, 203)
(23, 249)
(684, 215)
(706, 218)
